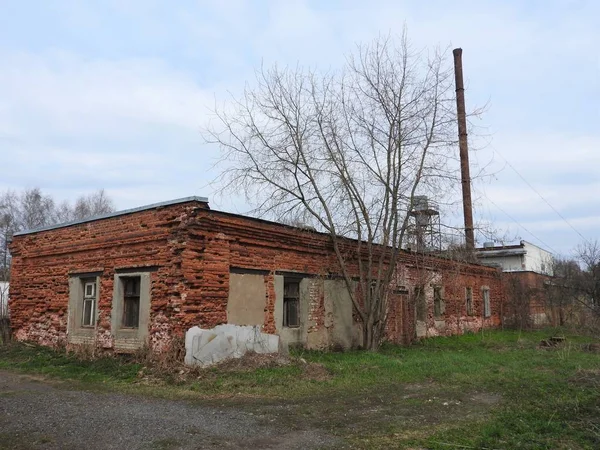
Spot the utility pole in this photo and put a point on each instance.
(464, 150)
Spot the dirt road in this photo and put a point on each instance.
(38, 414)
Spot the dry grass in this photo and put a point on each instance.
(252, 361)
(587, 378)
(168, 367)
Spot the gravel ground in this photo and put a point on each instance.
(37, 414)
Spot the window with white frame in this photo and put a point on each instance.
(89, 303)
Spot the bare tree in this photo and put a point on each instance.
(4, 316)
(33, 209)
(517, 311)
(589, 255)
(63, 212)
(92, 205)
(574, 292)
(6, 231)
(11, 215)
(347, 151)
(563, 291)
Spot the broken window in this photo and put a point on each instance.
(131, 301)
(291, 303)
(469, 295)
(487, 311)
(89, 303)
(438, 307)
(420, 304)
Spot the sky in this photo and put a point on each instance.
(113, 94)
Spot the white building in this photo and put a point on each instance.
(522, 257)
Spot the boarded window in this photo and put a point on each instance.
(438, 307)
(469, 295)
(487, 311)
(131, 301)
(420, 304)
(89, 303)
(291, 303)
(247, 299)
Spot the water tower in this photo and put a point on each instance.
(424, 229)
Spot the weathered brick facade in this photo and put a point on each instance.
(189, 252)
(527, 303)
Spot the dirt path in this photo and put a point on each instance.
(37, 414)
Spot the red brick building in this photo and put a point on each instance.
(527, 303)
(147, 274)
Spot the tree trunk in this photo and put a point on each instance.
(369, 335)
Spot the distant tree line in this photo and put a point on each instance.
(577, 281)
(31, 208)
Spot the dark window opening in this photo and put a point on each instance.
(291, 303)
(89, 303)
(487, 310)
(437, 302)
(420, 303)
(131, 301)
(469, 294)
(373, 290)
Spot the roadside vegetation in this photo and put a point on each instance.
(499, 389)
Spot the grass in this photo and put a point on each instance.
(61, 365)
(491, 390)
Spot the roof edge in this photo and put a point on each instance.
(500, 252)
(115, 214)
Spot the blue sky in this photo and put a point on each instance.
(113, 94)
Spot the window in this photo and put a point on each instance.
(131, 301)
(469, 295)
(437, 302)
(130, 312)
(291, 303)
(89, 303)
(373, 290)
(487, 311)
(420, 304)
(82, 317)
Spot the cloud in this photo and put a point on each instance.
(73, 124)
(78, 96)
(113, 94)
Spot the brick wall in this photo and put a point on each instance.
(191, 251)
(453, 278)
(42, 263)
(526, 302)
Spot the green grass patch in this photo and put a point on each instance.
(67, 366)
(496, 389)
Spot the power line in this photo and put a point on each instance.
(495, 150)
(521, 225)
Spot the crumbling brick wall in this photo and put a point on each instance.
(153, 239)
(453, 277)
(527, 304)
(190, 251)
